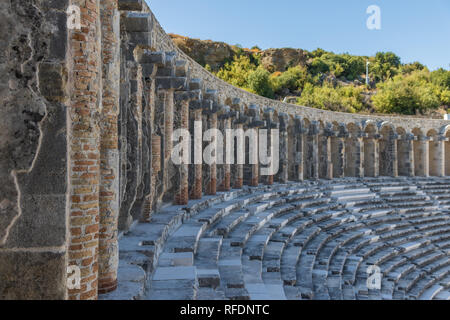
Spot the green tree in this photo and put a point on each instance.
(258, 82)
(236, 72)
(407, 94)
(293, 79)
(384, 65)
(441, 78)
(411, 67)
(345, 99)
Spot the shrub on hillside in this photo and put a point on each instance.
(259, 83)
(345, 99)
(408, 94)
(293, 79)
(237, 71)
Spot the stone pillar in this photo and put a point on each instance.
(270, 124)
(84, 149)
(423, 160)
(109, 148)
(439, 156)
(225, 119)
(359, 156)
(313, 152)
(237, 169)
(389, 155)
(283, 175)
(299, 148)
(338, 151)
(181, 179)
(255, 123)
(406, 156)
(196, 129)
(211, 117)
(327, 152)
(447, 155)
(168, 80)
(371, 156)
(150, 61)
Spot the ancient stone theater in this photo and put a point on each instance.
(93, 207)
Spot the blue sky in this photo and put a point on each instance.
(416, 30)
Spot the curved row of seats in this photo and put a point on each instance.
(310, 240)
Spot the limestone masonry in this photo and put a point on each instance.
(87, 179)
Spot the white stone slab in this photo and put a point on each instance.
(174, 273)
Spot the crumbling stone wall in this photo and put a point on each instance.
(86, 122)
(33, 149)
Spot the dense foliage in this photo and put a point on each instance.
(337, 82)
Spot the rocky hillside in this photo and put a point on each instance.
(216, 54)
(326, 80)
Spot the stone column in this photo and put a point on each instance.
(270, 123)
(168, 80)
(447, 155)
(371, 156)
(338, 151)
(423, 161)
(299, 149)
(327, 150)
(359, 156)
(150, 61)
(389, 155)
(196, 130)
(210, 171)
(183, 101)
(225, 119)
(283, 175)
(84, 149)
(313, 151)
(251, 171)
(394, 153)
(237, 170)
(406, 162)
(439, 156)
(109, 148)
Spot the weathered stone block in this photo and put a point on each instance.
(32, 275)
(137, 22)
(52, 81)
(130, 5)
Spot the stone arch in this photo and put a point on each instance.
(388, 150)
(405, 153)
(371, 150)
(434, 154)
